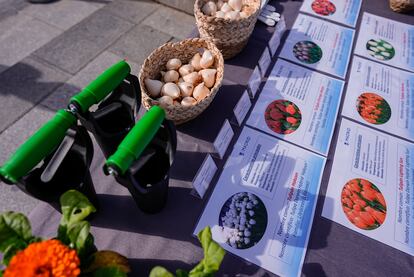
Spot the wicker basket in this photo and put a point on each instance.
(402, 6)
(230, 36)
(183, 50)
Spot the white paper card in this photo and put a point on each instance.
(298, 105)
(319, 44)
(371, 186)
(254, 81)
(263, 204)
(277, 35)
(265, 61)
(342, 11)
(242, 108)
(387, 41)
(382, 97)
(205, 174)
(222, 141)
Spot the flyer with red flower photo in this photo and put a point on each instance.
(381, 96)
(298, 105)
(371, 186)
(341, 11)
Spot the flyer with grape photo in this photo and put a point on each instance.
(381, 97)
(263, 204)
(298, 105)
(319, 44)
(386, 41)
(341, 11)
(371, 186)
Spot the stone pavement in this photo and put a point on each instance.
(49, 52)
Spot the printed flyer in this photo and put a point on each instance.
(387, 41)
(319, 44)
(341, 11)
(371, 186)
(298, 105)
(263, 204)
(382, 97)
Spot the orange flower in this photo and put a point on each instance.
(49, 258)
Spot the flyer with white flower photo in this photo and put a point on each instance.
(341, 11)
(319, 44)
(371, 186)
(381, 97)
(298, 105)
(386, 41)
(263, 204)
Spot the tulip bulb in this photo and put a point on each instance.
(192, 78)
(171, 90)
(200, 92)
(188, 101)
(226, 8)
(220, 14)
(209, 77)
(153, 87)
(165, 101)
(209, 8)
(207, 59)
(232, 15)
(195, 62)
(236, 4)
(173, 64)
(186, 69)
(171, 76)
(219, 4)
(186, 89)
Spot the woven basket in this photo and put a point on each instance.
(230, 36)
(183, 50)
(402, 6)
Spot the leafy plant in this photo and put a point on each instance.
(213, 256)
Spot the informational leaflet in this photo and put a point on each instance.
(371, 186)
(263, 205)
(386, 41)
(341, 11)
(319, 44)
(299, 105)
(382, 97)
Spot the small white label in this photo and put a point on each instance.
(242, 107)
(223, 139)
(254, 81)
(205, 174)
(277, 35)
(264, 61)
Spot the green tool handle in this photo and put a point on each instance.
(135, 142)
(37, 147)
(98, 89)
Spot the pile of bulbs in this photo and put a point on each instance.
(184, 84)
(228, 9)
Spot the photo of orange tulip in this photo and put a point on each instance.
(373, 108)
(363, 204)
(283, 117)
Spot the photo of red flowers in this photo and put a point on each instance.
(373, 108)
(323, 7)
(363, 204)
(283, 117)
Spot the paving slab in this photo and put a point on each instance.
(61, 96)
(25, 84)
(11, 198)
(134, 11)
(22, 38)
(172, 22)
(76, 47)
(138, 43)
(182, 5)
(63, 14)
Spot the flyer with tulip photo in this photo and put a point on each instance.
(341, 11)
(263, 204)
(381, 97)
(371, 186)
(386, 41)
(319, 44)
(298, 105)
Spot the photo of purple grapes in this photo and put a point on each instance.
(243, 220)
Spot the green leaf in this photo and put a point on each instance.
(109, 272)
(78, 234)
(213, 255)
(159, 271)
(181, 273)
(15, 234)
(75, 207)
